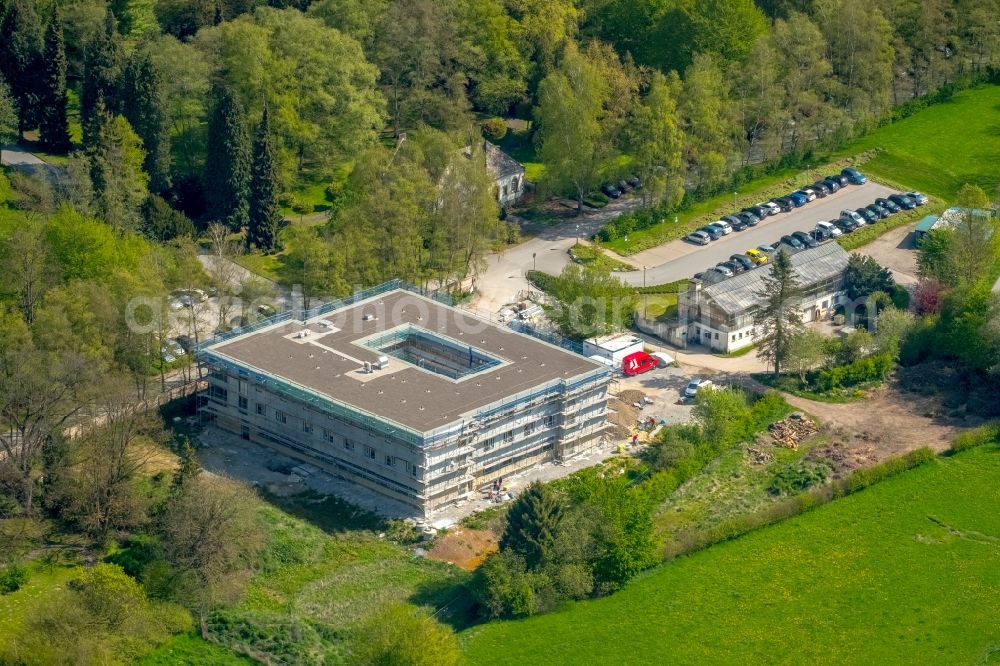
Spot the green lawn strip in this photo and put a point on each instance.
(870, 578)
(942, 147)
(736, 354)
(42, 580)
(592, 257)
(265, 265)
(192, 650)
(658, 306)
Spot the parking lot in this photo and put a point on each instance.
(679, 259)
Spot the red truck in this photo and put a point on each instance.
(637, 363)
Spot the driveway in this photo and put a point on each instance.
(897, 251)
(20, 159)
(679, 259)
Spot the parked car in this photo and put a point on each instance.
(829, 229)
(821, 189)
(833, 184)
(793, 242)
(805, 239)
(725, 270)
(734, 267)
(766, 249)
(760, 212)
(752, 219)
(716, 272)
(610, 190)
(698, 238)
(854, 176)
(840, 178)
(691, 390)
(637, 363)
(849, 214)
(810, 193)
(723, 226)
(731, 219)
(743, 260)
(888, 204)
(773, 208)
(740, 224)
(265, 310)
(845, 226)
(877, 211)
(784, 204)
(903, 201)
(623, 186)
(819, 236)
(919, 198)
(757, 256)
(634, 182)
(711, 232)
(867, 215)
(798, 198)
(166, 355)
(176, 348)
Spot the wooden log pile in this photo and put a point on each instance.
(791, 430)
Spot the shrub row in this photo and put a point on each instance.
(869, 368)
(981, 436)
(689, 542)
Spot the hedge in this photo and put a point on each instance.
(870, 368)
(981, 436)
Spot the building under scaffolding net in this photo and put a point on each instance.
(405, 395)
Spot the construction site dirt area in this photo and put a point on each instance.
(465, 548)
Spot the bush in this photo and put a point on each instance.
(596, 200)
(870, 368)
(797, 477)
(12, 579)
(981, 436)
(494, 128)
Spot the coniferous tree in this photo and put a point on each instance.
(779, 319)
(144, 106)
(532, 525)
(102, 69)
(52, 122)
(263, 228)
(218, 17)
(227, 161)
(19, 46)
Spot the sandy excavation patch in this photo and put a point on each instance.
(464, 548)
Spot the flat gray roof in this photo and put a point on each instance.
(328, 360)
(743, 292)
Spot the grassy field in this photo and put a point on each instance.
(905, 572)
(191, 650)
(942, 147)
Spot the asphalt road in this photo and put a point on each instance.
(679, 259)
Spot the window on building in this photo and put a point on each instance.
(218, 393)
(307, 427)
(508, 436)
(550, 420)
(734, 337)
(260, 408)
(528, 429)
(489, 444)
(243, 404)
(390, 461)
(370, 452)
(505, 190)
(826, 304)
(413, 470)
(243, 387)
(348, 444)
(280, 416)
(515, 184)
(716, 335)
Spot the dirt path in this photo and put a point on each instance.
(890, 421)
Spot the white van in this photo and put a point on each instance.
(723, 227)
(830, 230)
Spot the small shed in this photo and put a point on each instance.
(924, 226)
(613, 347)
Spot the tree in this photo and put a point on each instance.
(29, 267)
(778, 318)
(865, 276)
(532, 525)
(403, 635)
(227, 164)
(570, 139)
(262, 232)
(19, 53)
(724, 416)
(657, 142)
(727, 28)
(934, 257)
(806, 351)
(209, 536)
(119, 182)
(144, 106)
(53, 126)
(312, 265)
(8, 116)
(891, 328)
(590, 302)
(972, 196)
(163, 223)
(102, 69)
(705, 110)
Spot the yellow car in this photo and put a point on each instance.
(757, 257)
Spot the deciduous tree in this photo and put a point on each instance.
(656, 142)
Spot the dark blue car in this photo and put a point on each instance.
(798, 198)
(854, 176)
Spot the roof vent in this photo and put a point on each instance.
(368, 316)
(368, 367)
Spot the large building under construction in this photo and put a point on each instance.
(415, 399)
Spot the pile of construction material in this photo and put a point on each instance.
(623, 412)
(791, 430)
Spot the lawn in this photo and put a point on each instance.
(905, 572)
(942, 147)
(43, 580)
(191, 650)
(591, 256)
(658, 306)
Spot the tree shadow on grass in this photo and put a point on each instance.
(451, 600)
